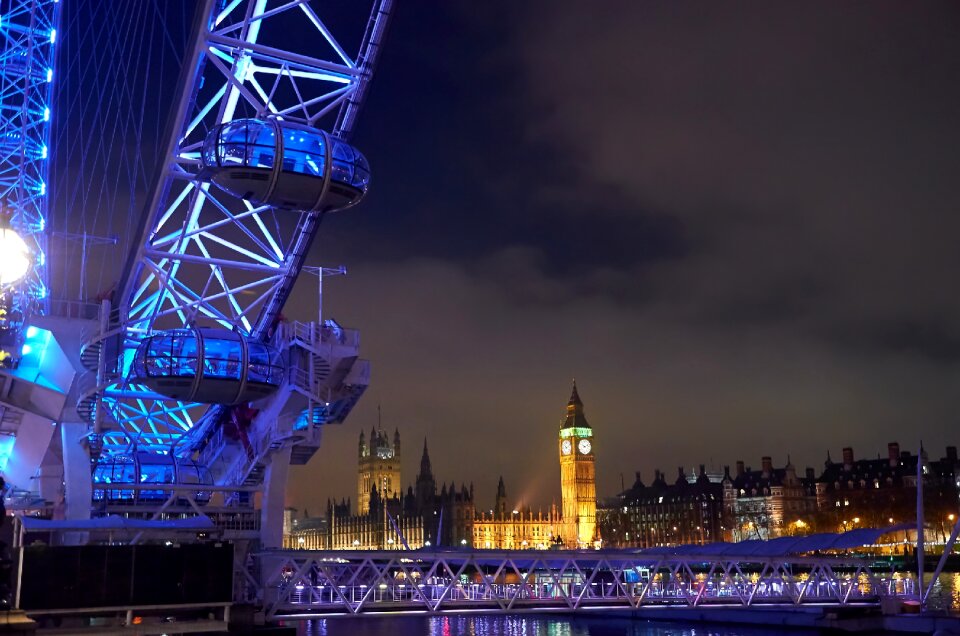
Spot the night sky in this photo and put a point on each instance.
(735, 224)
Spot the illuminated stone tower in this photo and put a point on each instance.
(577, 477)
(379, 466)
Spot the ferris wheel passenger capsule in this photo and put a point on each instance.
(285, 165)
(213, 366)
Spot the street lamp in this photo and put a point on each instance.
(14, 257)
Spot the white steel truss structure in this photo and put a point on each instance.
(206, 257)
(28, 35)
(299, 583)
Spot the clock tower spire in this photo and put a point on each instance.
(577, 476)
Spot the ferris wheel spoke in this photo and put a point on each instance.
(198, 302)
(255, 212)
(238, 249)
(328, 36)
(236, 84)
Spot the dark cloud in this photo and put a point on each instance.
(733, 223)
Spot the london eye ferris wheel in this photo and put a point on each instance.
(177, 369)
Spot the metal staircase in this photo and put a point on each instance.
(325, 378)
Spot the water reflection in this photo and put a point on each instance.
(945, 594)
(520, 625)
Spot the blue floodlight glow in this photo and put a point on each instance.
(30, 36)
(26, 349)
(6, 448)
(32, 332)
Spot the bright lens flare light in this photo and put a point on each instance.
(14, 257)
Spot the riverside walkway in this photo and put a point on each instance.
(300, 583)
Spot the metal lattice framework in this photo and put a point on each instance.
(299, 583)
(29, 32)
(205, 256)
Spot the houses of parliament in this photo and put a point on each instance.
(387, 517)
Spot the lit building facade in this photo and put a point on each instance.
(767, 503)
(387, 518)
(578, 489)
(379, 468)
(507, 528)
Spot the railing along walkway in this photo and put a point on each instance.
(303, 583)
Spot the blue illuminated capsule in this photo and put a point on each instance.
(285, 165)
(212, 366)
(142, 467)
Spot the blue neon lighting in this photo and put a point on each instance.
(6, 448)
(29, 35)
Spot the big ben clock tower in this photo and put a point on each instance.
(577, 476)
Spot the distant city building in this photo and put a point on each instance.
(388, 518)
(506, 528)
(664, 514)
(309, 533)
(774, 502)
(767, 503)
(379, 468)
(881, 491)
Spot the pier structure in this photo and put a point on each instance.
(304, 584)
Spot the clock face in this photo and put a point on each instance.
(566, 447)
(584, 446)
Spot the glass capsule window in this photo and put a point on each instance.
(155, 469)
(147, 468)
(349, 166)
(119, 469)
(207, 365)
(264, 364)
(244, 142)
(170, 354)
(303, 151)
(222, 358)
(253, 143)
